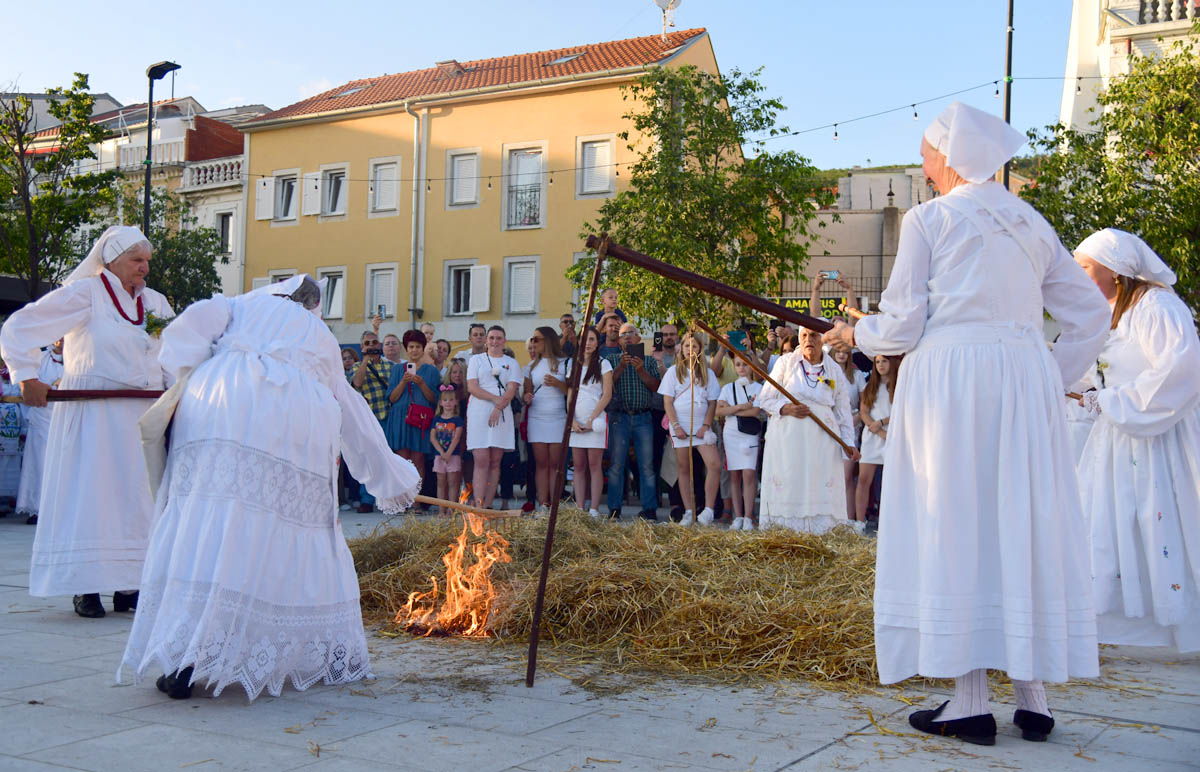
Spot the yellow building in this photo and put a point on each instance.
(452, 194)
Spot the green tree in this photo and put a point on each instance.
(44, 197)
(1137, 165)
(695, 201)
(185, 254)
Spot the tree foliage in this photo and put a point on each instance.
(185, 254)
(1137, 165)
(44, 197)
(694, 201)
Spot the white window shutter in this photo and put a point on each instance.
(382, 291)
(465, 171)
(522, 288)
(264, 198)
(481, 289)
(596, 166)
(312, 194)
(385, 186)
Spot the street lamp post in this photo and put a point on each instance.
(153, 72)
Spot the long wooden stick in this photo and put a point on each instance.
(601, 246)
(763, 374)
(468, 508)
(69, 395)
(712, 287)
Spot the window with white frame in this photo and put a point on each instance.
(258, 282)
(521, 285)
(381, 292)
(524, 203)
(333, 298)
(383, 189)
(333, 191)
(285, 197)
(458, 288)
(225, 231)
(281, 274)
(462, 166)
(595, 170)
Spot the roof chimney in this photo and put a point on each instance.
(450, 68)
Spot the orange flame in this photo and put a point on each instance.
(466, 602)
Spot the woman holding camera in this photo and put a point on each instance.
(412, 392)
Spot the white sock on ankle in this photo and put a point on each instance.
(970, 697)
(1031, 696)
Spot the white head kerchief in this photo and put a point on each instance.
(1126, 254)
(975, 143)
(114, 241)
(286, 287)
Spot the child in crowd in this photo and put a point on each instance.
(875, 409)
(608, 306)
(742, 436)
(690, 392)
(446, 435)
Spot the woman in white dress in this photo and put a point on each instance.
(690, 389)
(802, 485)
(737, 400)
(492, 381)
(248, 579)
(1140, 471)
(875, 407)
(589, 435)
(546, 397)
(96, 508)
(981, 563)
(37, 434)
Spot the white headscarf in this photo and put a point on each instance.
(975, 143)
(111, 245)
(286, 288)
(1126, 254)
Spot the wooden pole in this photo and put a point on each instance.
(70, 395)
(601, 246)
(468, 508)
(705, 284)
(763, 374)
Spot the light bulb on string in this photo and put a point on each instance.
(914, 107)
(997, 94)
(835, 132)
(551, 178)
(428, 187)
(1078, 85)
(489, 183)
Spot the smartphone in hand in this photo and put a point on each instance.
(658, 341)
(636, 350)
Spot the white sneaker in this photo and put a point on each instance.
(748, 525)
(706, 516)
(594, 512)
(344, 508)
(857, 525)
(687, 518)
(737, 523)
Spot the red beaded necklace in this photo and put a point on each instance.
(141, 311)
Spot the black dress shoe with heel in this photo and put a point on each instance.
(89, 605)
(1034, 726)
(125, 601)
(977, 730)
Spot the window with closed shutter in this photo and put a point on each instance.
(481, 289)
(384, 187)
(464, 172)
(264, 198)
(383, 291)
(597, 168)
(522, 287)
(260, 281)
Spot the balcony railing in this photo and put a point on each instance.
(169, 152)
(524, 205)
(1159, 11)
(216, 173)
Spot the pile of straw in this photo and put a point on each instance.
(665, 598)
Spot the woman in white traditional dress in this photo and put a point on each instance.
(803, 486)
(875, 407)
(589, 435)
(689, 390)
(981, 563)
(37, 433)
(492, 381)
(96, 508)
(1140, 471)
(545, 395)
(248, 579)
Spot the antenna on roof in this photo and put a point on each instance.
(668, 12)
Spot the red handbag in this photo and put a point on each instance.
(418, 415)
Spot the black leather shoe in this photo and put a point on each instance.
(125, 601)
(1034, 726)
(31, 520)
(89, 605)
(647, 514)
(177, 685)
(978, 730)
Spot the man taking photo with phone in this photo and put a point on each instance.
(635, 381)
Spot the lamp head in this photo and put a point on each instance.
(157, 71)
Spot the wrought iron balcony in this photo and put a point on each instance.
(524, 205)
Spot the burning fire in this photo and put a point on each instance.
(466, 603)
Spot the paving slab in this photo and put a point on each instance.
(435, 747)
(29, 728)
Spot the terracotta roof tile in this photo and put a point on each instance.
(593, 58)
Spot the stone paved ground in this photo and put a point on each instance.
(454, 705)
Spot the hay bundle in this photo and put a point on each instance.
(681, 600)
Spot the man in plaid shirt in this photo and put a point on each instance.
(635, 381)
(370, 376)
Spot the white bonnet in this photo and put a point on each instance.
(974, 142)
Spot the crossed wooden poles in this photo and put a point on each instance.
(605, 248)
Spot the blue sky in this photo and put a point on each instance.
(828, 61)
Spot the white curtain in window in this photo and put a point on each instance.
(526, 167)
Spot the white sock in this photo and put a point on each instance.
(1031, 696)
(970, 697)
